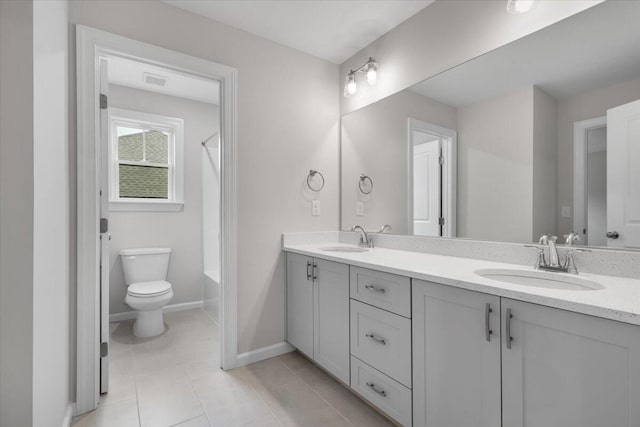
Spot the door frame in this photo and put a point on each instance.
(449, 173)
(90, 45)
(580, 130)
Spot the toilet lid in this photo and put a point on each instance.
(149, 289)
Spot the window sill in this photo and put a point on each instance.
(144, 206)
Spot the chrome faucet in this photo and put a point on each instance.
(365, 241)
(568, 266)
(384, 228)
(549, 240)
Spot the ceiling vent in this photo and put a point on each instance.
(154, 79)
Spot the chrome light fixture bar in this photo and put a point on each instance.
(370, 71)
(516, 7)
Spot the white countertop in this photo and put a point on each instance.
(619, 300)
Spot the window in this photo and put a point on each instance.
(146, 162)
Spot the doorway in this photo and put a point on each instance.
(590, 181)
(431, 179)
(100, 194)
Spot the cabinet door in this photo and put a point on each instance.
(331, 326)
(300, 303)
(456, 357)
(568, 369)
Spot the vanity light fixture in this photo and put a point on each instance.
(370, 70)
(516, 7)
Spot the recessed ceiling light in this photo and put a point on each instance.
(516, 7)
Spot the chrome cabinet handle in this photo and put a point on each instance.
(613, 234)
(376, 338)
(487, 322)
(373, 387)
(308, 272)
(315, 273)
(376, 289)
(508, 327)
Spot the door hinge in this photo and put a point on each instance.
(441, 159)
(103, 101)
(104, 349)
(104, 225)
(441, 221)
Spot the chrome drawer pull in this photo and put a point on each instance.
(376, 338)
(509, 316)
(487, 322)
(374, 288)
(373, 387)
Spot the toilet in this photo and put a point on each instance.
(145, 273)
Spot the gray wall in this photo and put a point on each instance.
(51, 246)
(585, 106)
(374, 142)
(34, 214)
(495, 168)
(545, 158)
(288, 114)
(181, 231)
(16, 213)
(431, 41)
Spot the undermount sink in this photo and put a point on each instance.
(344, 249)
(540, 279)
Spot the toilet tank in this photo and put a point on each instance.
(145, 264)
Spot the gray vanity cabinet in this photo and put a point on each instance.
(520, 364)
(318, 311)
(568, 369)
(300, 302)
(331, 318)
(456, 357)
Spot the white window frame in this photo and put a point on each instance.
(175, 152)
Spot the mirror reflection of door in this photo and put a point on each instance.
(596, 229)
(427, 189)
(432, 169)
(623, 176)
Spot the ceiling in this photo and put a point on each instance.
(334, 30)
(129, 73)
(593, 49)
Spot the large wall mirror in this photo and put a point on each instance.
(541, 136)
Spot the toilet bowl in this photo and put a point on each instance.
(145, 271)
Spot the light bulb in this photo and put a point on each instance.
(516, 7)
(372, 76)
(350, 86)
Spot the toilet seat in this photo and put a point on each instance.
(149, 289)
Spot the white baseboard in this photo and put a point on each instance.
(68, 415)
(263, 353)
(127, 315)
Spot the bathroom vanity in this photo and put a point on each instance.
(434, 340)
(447, 323)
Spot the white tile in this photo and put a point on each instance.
(166, 397)
(200, 421)
(123, 414)
(238, 414)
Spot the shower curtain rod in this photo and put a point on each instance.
(208, 139)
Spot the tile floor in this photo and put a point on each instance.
(175, 380)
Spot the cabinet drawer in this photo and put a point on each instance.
(388, 395)
(383, 340)
(387, 291)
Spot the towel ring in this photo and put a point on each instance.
(363, 179)
(313, 173)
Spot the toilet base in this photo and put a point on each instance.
(149, 323)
